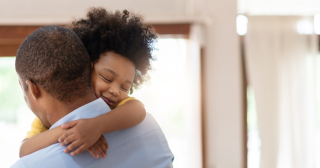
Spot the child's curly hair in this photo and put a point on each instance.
(122, 33)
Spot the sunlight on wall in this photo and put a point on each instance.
(316, 24)
(305, 27)
(242, 25)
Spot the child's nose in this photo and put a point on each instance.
(114, 91)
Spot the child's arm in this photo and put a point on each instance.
(49, 137)
(85, 131)
(40, 141)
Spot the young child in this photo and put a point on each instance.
(105, 35)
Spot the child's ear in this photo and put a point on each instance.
(131, 90)
(91, 66)
(34, 89)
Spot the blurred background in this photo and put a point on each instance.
(236, 83)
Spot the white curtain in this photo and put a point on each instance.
(281, 66)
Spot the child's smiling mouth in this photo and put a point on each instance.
(109, 101)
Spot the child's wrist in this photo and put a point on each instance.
(100, 128)
(60, 131)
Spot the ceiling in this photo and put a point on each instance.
(33, 12)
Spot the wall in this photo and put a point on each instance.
(61, 11)
(222, 87)
(279, 7)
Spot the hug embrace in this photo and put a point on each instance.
(77, 81)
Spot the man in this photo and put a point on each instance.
(54, 72)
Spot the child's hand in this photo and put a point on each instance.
(98, 148)
(84, 134)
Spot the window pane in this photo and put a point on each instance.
(165, 98)
(15, 117)
(254, 142)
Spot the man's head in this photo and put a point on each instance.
(52, 63)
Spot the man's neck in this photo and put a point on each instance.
(59, 109)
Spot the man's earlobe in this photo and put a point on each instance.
(20, 84)
(34, 89)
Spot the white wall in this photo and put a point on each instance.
(280, 7)
(223, 103)
(61, 11)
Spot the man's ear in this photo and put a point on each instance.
(20, 84)
(34, 89)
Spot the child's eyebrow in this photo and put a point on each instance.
(109, 70)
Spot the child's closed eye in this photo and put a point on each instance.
(125, 89)
(106, 79)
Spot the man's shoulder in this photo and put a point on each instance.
(143, 146)
(54, 156)
(46, 156)
(148, 125)
(18, 164)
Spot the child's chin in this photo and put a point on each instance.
(111, 106)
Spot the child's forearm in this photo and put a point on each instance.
(86, 131)
(125, 116)
(40, 141)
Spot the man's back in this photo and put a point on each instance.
(141, 146)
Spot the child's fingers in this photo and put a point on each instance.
(64, 136)
(102, 146)
(93, 152)
(105, 142)
(72, 146)
(80, 149)
(68, 140)
(98, 150)
(69, 124)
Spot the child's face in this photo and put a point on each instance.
(112, 77)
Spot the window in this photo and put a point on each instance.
(254, 142)
(15, 116)
(165, 98)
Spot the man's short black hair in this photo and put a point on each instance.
(55, 59)
(119, 32)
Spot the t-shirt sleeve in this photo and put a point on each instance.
(36, 128)
(126, 100)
